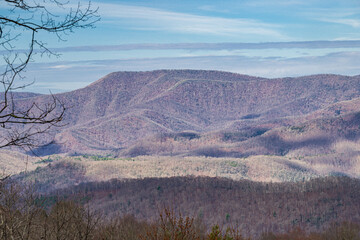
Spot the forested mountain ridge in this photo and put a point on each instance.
(123, 108)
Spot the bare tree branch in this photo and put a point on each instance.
(20, 123)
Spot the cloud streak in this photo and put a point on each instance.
(153, 19)
(276, 3)
(213, 46)
(48, 77)
(344, 16)
(355, 23)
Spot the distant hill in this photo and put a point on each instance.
(122, 110)
(22, 95)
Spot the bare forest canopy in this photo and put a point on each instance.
(251, 207)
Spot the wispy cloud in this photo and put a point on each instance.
(355, 23)
(345, 16)
(86, 72)
(60, 67)
(214, 46)
(275, 3)
(212, 8)
(153, 19)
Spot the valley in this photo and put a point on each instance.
(179, 120)
(192, 133)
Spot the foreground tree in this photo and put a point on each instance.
(23, 26)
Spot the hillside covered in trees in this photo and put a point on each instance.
(251, 207)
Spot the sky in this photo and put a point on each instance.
(277, 38)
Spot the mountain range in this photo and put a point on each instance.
(161, 112)
(224, 147)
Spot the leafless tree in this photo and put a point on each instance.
(25, 25)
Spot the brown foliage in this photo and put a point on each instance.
(254, 207)
(231, 233)
(121, 228)
(171, 227)
(24, 216)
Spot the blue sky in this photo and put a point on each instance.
(265, 38)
